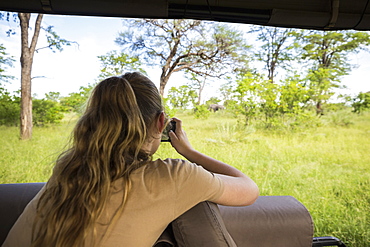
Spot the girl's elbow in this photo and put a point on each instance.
(253, 194)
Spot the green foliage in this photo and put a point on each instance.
(329, 49)
(328, 53)
(170, 111)
(182, 97)
(271, 105)
(53, 96)
(204, 48)
(336, 107)
(184, 42)
(276, 48)
(116, 63)
(212, 100)
(321, 83)
(339, 118)
(46, 112)
(6, 61)
(55, 42)
(294, 95)
(361, 102)
(9, 108)
(76, 101)
(201, 112)
(227, 92)
(246, 97)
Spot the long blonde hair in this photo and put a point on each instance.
(106, 146)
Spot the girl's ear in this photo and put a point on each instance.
(161, 122)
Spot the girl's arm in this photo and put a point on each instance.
(239, 189)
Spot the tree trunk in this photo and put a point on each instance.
(26, 97)
(162, 84)
(201, 87)
(272, 72)
(319, 110)
(199, 96)
(26, 68)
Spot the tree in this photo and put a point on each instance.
(361, 102)
(246, 93)
(28, 50)
(46, 111)
(184, 45)
(181, 97)
(76, 101)
(27, 54)
(328, 52)
(53, 96)
(227, 92)
(5, 62)
(272, 102)
(213, 100)
(198, 83)
(9, 108)
(276, 48)
(321, 82)
(294, 95)
(116, 63)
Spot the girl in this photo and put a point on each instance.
(107, 191)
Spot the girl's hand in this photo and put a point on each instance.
(179, 140)
(239, 190)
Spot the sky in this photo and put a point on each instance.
(78, 65)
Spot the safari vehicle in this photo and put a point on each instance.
(272, 220)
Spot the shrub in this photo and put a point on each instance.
(361, 102)
(9, 108)
(171, 112)
(339, 118)
(201, 112)
(46, 112)
(76, 101)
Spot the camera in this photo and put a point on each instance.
(165, 135)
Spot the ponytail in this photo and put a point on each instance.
(106, 146)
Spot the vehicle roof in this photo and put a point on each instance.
(307, 14)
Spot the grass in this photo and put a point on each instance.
(326, 168)
(31, 161)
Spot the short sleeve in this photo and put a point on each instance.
(193, 185)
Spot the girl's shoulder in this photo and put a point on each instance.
(176, 167)
(171, 164)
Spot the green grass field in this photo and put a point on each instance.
(326, 168)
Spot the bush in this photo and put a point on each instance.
(9, 108)
(201, 112)
(339, 118)
(171, 112)
(361, 102)
(289, 122)
(76, 101)
(335, 107)
(46, 112)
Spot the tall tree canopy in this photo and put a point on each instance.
(328, 53)
(28, 49)
(188, 45)
(115, 63)
(6, 61)
(276, 48)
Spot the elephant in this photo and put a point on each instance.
(216, 107)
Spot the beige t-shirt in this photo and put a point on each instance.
(161, 191)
